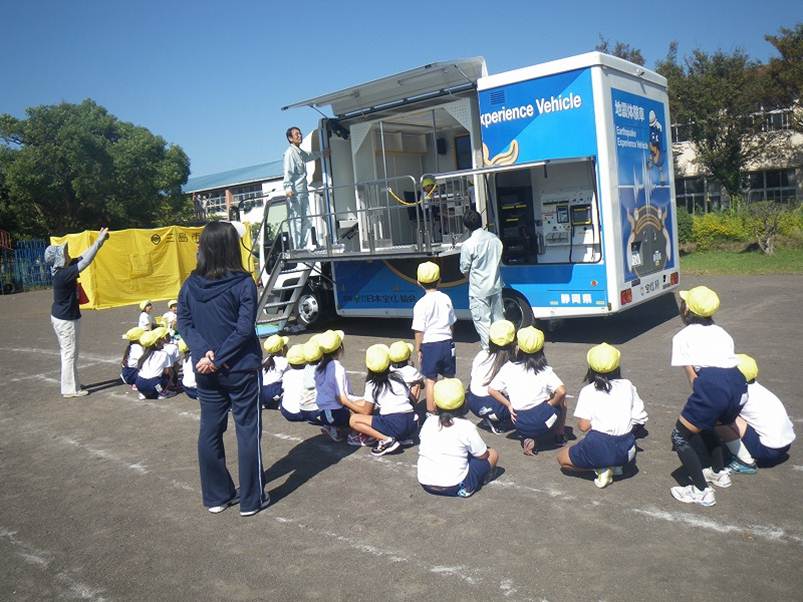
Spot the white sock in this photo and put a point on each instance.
(737, 448)
(492, 416)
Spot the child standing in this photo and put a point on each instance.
(433, 317)
(400, 353)
(133, 351)
(332, 386)
(273, 368)
(170, 315)
(762, 433)
(531, 391)
(154, 366)
(293, 387)
(145, 309)
(453, 460)
(705, 351)
(608, 408)
(385, 389)
(187, 371)
(484, 368)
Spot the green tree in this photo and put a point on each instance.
(620, 49)
(785, 73)
(69, 167)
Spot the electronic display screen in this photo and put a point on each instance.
(563, 214)
(581, 215)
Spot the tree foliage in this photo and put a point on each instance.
(784, 74)
(69, 167)
(620, 49)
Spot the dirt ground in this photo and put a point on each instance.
(100, 495)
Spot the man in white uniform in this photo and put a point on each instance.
(480, 259)
(295, 189)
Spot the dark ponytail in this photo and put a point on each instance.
(602, 382)
(126, 353)
(383, 381)
(534, 362)
(502, 356)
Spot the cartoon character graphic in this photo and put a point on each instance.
(656, 144)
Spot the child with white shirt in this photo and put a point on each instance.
(433, 317)
(762, 433)
(532, 392)
(400, 353)
(294, 406)
(453, 460)
(170, 316)
(145, 309)
(155, 366)
(484, 368)
(706, 353)
(133, 351)
(608, 408)
(273, 367)
(332, 386)
(188, 383)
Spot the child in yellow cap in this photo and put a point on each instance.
(293, 405)
(155, 366)
(145, 308)
(385, 390)
(400, 354)
(706, 353)
(133, 351)
(188, 382)
(608, 408)
(763, 432)
(273, 366)
(170, 316)
(486, 365)
(532, 392)
(433, 320)
(453, 460)
(332, 386)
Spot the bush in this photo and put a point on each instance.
(712, 229)
(685, 222)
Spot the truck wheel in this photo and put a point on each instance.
(517, 309)
(312, 307)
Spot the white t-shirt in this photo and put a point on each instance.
(155, 364)
(443, 453)
(433, 315)
(331, 385)
(523, 388)
(293, 385)
(614, 413)
(144, 320)
(394, 400)
(703, 347)
(766, 414)
(188, 373)
(171, 349)
(480, 371)
(134, 353)
(170, 317)
(275, 375)
(409, 373)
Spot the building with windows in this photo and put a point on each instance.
(778, 176)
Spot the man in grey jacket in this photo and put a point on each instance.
(295, 188)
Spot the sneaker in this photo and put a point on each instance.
(691, 495)
(528, 447)
(265, 503)
(222, 507)
(720, 479)
(740, 467)
(604, 477)
(385, 447)
(360, 440)
(333, 433)
(491, 426)
(79, 393)
(140, 396)
(463, 493)
(407, 442)
(618, 471)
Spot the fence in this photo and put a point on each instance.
(23, 267)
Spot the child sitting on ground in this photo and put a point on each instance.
(133, 351)
(187, 370)
(608, 408)
(762, 433)
(293, 397)
(433, 317)
(332, 387)
(400, 353)
(532, 392)
(484, 368)
(155, 366)
(145, 309)
(273, 368)
(396, 423)
(453, 460)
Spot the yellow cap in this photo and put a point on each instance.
(400, 351)
(603, 358)
(502, 332)
(150, 338)
(133, 334)
(144, 304)
(530, 339)
(182, 346)
(427, 181)
(161, 331)
(747, 366)
(275, 343)
(172, 303)
(449, 393)
(701, 300)
(428, 272)
(330, 340)
(160, 320)
(312, 351)
(296, 355)
(377, 358)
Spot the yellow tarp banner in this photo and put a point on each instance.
(139, 264)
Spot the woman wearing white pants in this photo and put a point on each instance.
(65, 313)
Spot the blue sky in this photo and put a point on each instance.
(212, 76)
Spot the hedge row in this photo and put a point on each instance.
(711, 230)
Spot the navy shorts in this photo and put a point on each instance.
(481, 406)
(438, 358)
(399, 426)
(478, 470)
(269, 393)
(600, 450)
(151, 388)
(191, 392)
(302, 416)
(338, 417)
(129, 375)
(716, 397)
(764, 455)
(537, 421)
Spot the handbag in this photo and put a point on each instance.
(82, 298)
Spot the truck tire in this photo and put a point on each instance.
(517, 309)
(313, 307)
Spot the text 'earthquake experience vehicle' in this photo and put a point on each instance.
(568, 161)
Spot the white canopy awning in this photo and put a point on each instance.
(418, 82)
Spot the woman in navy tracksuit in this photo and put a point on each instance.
(217, 309)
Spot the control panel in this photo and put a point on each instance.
(566, 216)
